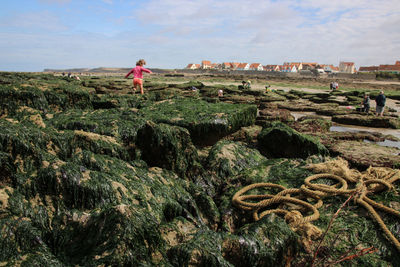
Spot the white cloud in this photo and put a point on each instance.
(176, 32)
(311, 30)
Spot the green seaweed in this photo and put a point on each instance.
(279, 140)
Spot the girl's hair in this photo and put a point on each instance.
(140, 62)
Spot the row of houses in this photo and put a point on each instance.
(347, 67)
(385, 68)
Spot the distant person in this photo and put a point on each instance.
(331, 86)
(220, 93)
(380, 104)
(366, 103)
(138, 75)
(242, 87)
(248, 84)
(267, 88)
(69, 75)
(335, 86)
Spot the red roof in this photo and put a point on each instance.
(206, 62)
(254, 65)
(310, 63)
(347, 63)
(389, 67)
(397, 63)
(369, 68)
(242, 65)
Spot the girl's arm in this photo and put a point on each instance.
(146, 70)
(129, 73)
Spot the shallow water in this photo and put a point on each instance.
(298, 115)
(356, 129)
(387, 143)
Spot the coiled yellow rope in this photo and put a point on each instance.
(371, 181)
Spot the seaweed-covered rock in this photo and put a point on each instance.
(369, 121)
(272, 97)
(43, 99)
(311, 124)
(363, 154)
(189, 85)
(11, 99)
(271, 237)
(75, 190)
(274, 115)
(246, 135)
(298, 105)
(264, 243)
(212, 91)
(206, 122)
(168, 147)
(204, 249)
(280, 140)
(239, 99)
(121, 124)
(116, 101)
(228, 158)
(95, 209)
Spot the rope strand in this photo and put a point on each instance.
(371, 181)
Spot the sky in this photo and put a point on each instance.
(60, 34)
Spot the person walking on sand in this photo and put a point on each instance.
(380, 104)
(138, 75)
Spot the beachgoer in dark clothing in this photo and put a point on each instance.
(366, 104)
(380, 104)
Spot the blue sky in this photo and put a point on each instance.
(38, 34)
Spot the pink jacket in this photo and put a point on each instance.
(138, 72)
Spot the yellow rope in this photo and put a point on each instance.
(371, 181)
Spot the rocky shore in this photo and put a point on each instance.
(94, 175)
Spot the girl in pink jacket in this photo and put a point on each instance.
(138, 75)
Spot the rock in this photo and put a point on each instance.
(246, 134)
(369, 121)
(363, 155)
(228, 159)
(280, 140)
(311, 124)
(75, 189)
(206, 122)
(168, 147)
(282, 115)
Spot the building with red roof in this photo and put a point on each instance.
(256, 66)
(347, 67)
